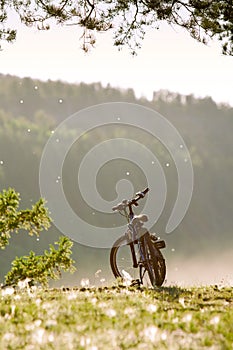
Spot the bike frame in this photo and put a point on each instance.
(133, 230)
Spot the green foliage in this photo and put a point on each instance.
(203, 19)
(12, 219)
(41, 268)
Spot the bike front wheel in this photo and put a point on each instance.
(146, 272)
(155, 262)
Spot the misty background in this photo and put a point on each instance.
(200, 250)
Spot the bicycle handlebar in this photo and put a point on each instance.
(125, 203)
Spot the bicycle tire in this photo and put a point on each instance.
(116, 269)
(122, 265)
(155, 262)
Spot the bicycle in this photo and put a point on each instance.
(135, 257)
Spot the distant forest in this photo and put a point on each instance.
(30, 109)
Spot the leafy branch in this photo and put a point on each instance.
(39, 269)
(12, 219)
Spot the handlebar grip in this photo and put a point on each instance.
(146, 190)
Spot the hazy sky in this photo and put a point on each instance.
(169, 59)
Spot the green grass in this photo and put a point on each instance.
(117, 317)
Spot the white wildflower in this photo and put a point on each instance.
(151, 308)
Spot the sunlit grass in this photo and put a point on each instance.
(116, 317)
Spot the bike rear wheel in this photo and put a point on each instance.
(146, 272)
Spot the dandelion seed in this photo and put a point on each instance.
(8, 336)
(127, 278)
(8, 291)
(118, 118)
(51, 338)
(13, 309)
(163, 336)
(60, 100)
(29, 130)
(152, 162)
(37, 323)
(102, 305)
(129, 311)
(102, 280)
(97, 272)
(85, 282)
(72, 296)
(187, 318)
(215, 320)
(21, 101)
(29, 327)
(127, 173)
(94, 300)
(152, 308)
(51, 323)
(85, 341)
(38, 301)
(110, 312)
(52, 132)
(167, 165)
(36, 87)
(173, 249)
(38, 335)
(24, 284)
(1, 162)
(181, 301)
(181, 146)
(150, 333)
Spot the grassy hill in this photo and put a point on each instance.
(117, 317)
